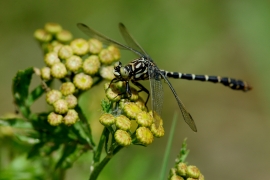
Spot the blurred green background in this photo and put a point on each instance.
(228, 38)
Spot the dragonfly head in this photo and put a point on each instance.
(120, 72)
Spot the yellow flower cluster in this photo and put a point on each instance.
(76, 63)
(128, 108)
(185, 172)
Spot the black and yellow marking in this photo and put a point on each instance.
(226, 81)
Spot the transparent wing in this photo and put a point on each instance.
(131, 41)
(187, 117)
(156, 94)
(93, 33)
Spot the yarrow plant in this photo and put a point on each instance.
(61, 135)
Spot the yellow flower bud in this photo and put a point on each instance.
(67, 88)
(42, 35)
(122, 122)
(144, 135)
(176, 177)
(193, 172)
(157, 131)
(106, 57)
(91, 65)
(54, 119)
(80, 46)
(107, 72)
(83, 81)
(65, 52)
(53, 96)
(51, 58)
(71, 117)
(144, 119)
(113, 95)
(134, 95)
(107, 119)
(131, 110)
(74, 63)
(115, 52)
(53, 28)
(71, 101)
(59, 70)
(46, 73)
(181, 169)
(95, 46)
(122, 137)
(60, 106)
(64, 36)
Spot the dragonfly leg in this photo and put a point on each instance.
(142, 88)
(112, 81)
(128, 90)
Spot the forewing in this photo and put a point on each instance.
(156, 94)
(187, 117)
(93, 33)
(131, 41)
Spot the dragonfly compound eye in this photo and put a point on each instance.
(124, 72)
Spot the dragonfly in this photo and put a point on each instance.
(144, 68)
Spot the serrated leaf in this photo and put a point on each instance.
(21, 84)
(20, 89)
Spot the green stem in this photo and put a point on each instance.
(99, 167)
(168, 148)
(102, 140)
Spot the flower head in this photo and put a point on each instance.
(83, 81)
(80, 47)
(144, 135)
(55, 119)
(122, 137)
(91, 65)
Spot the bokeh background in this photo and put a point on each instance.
(228, 38)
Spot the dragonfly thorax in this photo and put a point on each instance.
(135, 70)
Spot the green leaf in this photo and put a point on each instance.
(20, 89)
(35, 151)
(65, 161)
(85, 125)
(15, 122)
(106, 106)
(51, 138)
(80, 134)
(183, 152)
(103, 140)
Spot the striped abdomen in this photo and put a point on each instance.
(230, 82)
